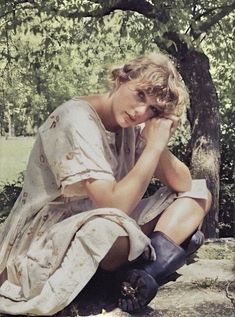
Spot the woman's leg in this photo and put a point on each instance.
(180, 219)
(178, 222)
(167, 232)
(117, 255)
(3, 277)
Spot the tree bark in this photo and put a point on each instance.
(204, 120)
(203, 116)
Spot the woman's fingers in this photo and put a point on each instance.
(157, 132)
(174, 119)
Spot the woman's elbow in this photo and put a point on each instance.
(184, 181)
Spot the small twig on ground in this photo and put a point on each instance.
(229, 295)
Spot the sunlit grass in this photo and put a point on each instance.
(14, 154)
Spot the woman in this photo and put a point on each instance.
(81, 206)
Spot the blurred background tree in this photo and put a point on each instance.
(52, 50)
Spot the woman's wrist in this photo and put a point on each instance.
(156, 147)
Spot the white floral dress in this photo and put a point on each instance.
(51, 244)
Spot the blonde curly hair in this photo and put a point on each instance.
(157, 76)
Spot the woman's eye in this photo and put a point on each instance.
(141, 95)
(155, 111)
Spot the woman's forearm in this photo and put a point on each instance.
(135, 183)
(126, 193)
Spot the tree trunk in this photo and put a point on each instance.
(11, 127)
(204, 120)
(203, 116)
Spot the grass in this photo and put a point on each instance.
(14, 154)
(223, 249)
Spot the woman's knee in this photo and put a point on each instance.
(104, 228)
(107, 232)
(205, 204)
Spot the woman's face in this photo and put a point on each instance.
(132, 105)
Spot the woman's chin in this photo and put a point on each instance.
(123, 123)
(126, 125)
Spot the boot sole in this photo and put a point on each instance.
(138, 288)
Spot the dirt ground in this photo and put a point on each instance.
(203, 288)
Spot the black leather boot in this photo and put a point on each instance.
(193, 243)
(140, 285)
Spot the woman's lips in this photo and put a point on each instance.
(130, 117)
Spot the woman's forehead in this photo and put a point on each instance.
(147, 86)
(149, 92)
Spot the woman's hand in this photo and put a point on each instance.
(174, 119)
(158, 131)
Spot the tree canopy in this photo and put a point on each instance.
(51, 50)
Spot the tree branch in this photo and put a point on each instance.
(141, 6)
(158, 13)
(14, 5)
(204, 27)
(198, 16)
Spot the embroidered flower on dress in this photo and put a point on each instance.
(70, 156)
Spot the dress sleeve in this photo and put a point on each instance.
(75, 146)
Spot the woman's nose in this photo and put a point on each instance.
(140, 110)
